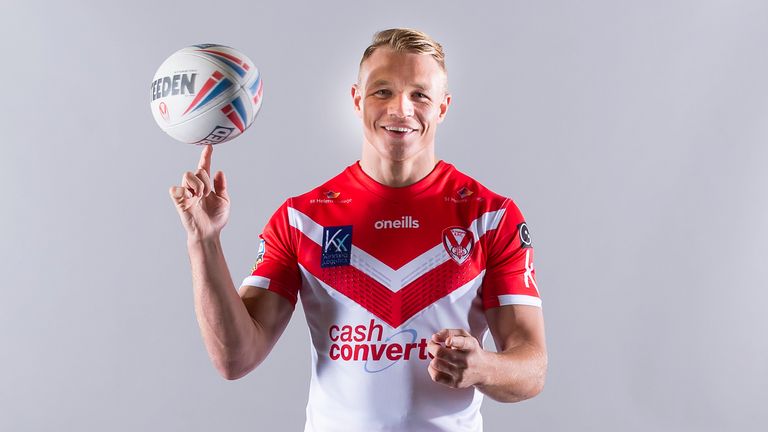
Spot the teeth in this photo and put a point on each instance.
(397, 129)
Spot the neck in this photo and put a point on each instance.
(397, 173)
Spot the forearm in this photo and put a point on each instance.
(227, 329)
(515, 374)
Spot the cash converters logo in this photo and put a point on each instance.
(366, 343)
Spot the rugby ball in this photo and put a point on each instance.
(206, 94)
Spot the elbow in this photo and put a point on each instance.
(537, 380)
(236, 363)
(536, 388)
(232, 374)
(530, 392)
(232, 370)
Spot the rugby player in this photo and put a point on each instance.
(403, 264)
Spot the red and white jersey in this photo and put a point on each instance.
(379, 270)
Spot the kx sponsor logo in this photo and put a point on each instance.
(337, 246)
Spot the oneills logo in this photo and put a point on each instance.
(403, 222)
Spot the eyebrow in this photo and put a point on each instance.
(384, 82)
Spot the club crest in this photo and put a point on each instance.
(458, 243)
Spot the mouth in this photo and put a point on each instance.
(398, 131)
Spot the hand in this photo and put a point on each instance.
(458, 358)
(203, 208)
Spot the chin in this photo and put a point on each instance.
(397, 152)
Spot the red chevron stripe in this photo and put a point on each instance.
(394, 308)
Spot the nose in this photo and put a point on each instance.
(400, 105)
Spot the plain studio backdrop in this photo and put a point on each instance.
(631, 134)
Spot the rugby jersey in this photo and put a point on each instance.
(378, 271)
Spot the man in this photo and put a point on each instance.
(402, 264)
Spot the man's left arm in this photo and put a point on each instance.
(516, 372)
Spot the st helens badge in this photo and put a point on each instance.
(458, 243)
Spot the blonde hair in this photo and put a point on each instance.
(407, 40)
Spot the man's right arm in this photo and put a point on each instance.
(239, 331)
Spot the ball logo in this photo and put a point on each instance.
(218, 135)
(458, 243)
(178, 84)
(163, 108)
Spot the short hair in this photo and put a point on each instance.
(407, 40)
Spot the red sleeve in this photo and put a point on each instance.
(276, 267)
(509, 274)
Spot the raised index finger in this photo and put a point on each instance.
(205, 159)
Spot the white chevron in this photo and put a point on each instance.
(393, 279)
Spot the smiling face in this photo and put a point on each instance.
(400, 98)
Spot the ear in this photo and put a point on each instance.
(357, 97)
(444, 107)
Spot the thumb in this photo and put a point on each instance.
(220, 184)
(458, 342)
(177, 192)
(181, 198)
(440, 336)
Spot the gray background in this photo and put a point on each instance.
(631, 134)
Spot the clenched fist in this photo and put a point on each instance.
(202, 206)
(458, 360)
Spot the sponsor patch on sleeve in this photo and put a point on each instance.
(525, 235)
(260, 254)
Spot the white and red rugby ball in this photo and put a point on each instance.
(206, 94)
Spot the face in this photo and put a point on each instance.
(400, 99)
